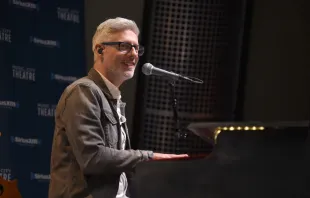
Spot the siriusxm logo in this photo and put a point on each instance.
(44, 42)
(25, 141)
(46, 110)
(5, 173)
(9, 104)
(66, 14)
(23, 4)
(61, 78)
(24, 73)
(5, 35)
(39, 177)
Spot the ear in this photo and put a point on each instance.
(99, 49)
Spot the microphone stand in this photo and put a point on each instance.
(179, 135)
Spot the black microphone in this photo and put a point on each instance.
(149, 69)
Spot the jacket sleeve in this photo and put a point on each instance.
(81, 116)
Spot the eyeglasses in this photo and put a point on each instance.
(126, 47)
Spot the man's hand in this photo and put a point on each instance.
(162, 156)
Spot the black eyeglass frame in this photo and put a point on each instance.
(140, 47)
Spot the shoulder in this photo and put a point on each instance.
(83, 86)
(85, 83)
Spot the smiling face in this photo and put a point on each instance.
(117, 65)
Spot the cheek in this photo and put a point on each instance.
(111, 61)
(118, 59)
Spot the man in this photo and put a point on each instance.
(91, 152)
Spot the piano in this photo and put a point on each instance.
(248, 159)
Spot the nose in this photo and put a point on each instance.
(133, 52)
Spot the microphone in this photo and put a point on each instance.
(149, 69)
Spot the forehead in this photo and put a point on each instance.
(125, 36)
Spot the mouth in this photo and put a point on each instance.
(129, 65)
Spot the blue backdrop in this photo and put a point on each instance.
(41, 52)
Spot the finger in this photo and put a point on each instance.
(180, 155)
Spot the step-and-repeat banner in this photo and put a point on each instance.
(41, 52)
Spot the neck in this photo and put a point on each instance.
(107, 75)
(115, 82)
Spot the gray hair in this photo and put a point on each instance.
(110, 26)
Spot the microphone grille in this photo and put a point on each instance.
(147, 68)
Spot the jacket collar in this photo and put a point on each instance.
(95, 76)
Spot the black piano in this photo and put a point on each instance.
(248, 160)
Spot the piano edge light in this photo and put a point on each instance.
(218, 130)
